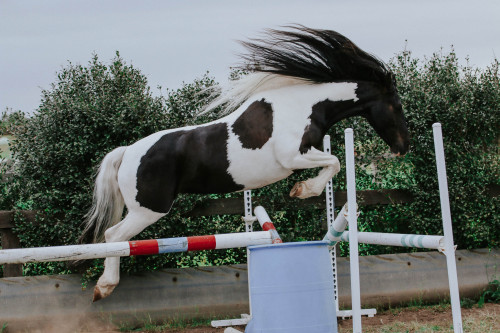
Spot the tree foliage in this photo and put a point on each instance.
(466, 101)
(86, 113)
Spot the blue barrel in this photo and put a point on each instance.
(291, 288)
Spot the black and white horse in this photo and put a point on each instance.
(304, 81)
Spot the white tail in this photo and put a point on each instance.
(107, 204)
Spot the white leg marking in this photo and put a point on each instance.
(131, 225)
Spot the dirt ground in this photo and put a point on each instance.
(401, 320)
(432, 319)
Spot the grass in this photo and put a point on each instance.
(416, 305)
(483, 324)
(476, 322)
(486, 322)
(413, 319)
(416, 317)
(150, 326)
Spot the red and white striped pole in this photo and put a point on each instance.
(266, 224)
(134, 248)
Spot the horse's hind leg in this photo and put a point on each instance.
(131, 225)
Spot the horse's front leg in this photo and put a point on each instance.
(314, 158)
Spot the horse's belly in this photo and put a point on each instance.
(255, 168)
(265, 177)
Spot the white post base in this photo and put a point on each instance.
(245, 318)
(348, 313)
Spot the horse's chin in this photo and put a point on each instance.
(400, 147)
(398, 151)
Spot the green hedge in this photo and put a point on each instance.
(467, 103)
(91, 109)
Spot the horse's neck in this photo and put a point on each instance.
(325, 104)
(330, 103)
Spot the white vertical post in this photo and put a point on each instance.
(353, 231)
(447, 229)
(248, 218)
(330, 218)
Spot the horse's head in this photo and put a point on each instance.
(384, 112)
(325, 56)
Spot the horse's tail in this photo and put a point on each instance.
(107, 204)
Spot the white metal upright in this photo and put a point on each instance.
(447, 228)
(330, 217)
(249, 219)
(353, 232)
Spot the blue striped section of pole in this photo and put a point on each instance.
(406, 240)
(337, 228)
(171, 245)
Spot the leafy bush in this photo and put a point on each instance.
(9, 121)
(491, 294)
(466, 102)
(91, 110)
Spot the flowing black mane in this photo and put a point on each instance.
(314, 55)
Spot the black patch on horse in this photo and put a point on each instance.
(255, 126)
(324, 114)
(185, 161)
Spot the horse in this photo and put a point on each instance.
(302, 82)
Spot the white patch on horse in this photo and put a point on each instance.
(292, 107)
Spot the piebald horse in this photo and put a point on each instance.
(303, 81)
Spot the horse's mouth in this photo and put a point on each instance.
(400, 149)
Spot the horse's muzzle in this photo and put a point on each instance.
(400, 148)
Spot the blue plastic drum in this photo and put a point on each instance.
(291, 288)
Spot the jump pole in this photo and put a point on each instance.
(353, 232)
(404, 240)
(134, 248)
(447, 228)
(337, 226)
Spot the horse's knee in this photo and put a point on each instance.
(335, 165)
(109, 235)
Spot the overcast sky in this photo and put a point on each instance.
(175, 41)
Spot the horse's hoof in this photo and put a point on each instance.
(97, 294)
(102, 292)
(297, 190)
